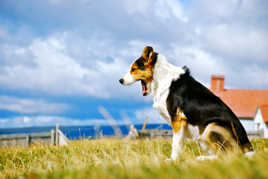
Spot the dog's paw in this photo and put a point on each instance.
(206, 157)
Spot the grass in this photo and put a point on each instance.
(111, 158)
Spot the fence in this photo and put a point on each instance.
(58, 137)
(54, 137)
(256, 134)
(82, 132)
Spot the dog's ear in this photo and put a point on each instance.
(152, 58)
(147, 52)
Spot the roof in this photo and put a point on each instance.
(264, 112)
(244, 102)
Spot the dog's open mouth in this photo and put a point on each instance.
(144, 88)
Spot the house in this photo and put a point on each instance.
(250, 106)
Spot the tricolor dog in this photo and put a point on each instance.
(184, 102)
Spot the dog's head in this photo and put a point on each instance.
(142, 70)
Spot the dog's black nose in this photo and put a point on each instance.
(121, 80)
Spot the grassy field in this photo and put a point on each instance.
(127, 159)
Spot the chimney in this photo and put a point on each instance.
(217, 83)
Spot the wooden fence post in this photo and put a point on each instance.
(27, 140)
(262, 133)
(52, 137)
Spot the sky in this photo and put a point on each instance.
(60, 60)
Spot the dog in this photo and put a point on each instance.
(185, 104)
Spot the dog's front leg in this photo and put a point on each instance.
(179, 127)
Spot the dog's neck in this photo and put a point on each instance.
(163, 74)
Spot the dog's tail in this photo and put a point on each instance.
(241, 136)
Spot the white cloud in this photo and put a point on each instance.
(52, 66)
(54, 71)
(138, 6)
(31, 106)
(201, 63)
(232, 11)
(236, 42)
(52, 120)
(217, 9)
(89, 61)
(31, 121)
(177, 10)
(252, 75)
(159, 8)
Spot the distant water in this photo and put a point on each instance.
(78, 132)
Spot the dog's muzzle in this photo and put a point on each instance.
(121, 81)
(127, 79)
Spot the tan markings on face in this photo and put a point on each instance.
(139, 74)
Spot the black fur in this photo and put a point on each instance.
(202, 107)
(140, 63)
(154, 58)
(219, 140)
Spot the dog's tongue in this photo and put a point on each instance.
(144, 89)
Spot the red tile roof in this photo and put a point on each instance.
(243, 102)
(264, 112)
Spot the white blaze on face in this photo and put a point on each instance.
(128, 79)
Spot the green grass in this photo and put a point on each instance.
(127, 159)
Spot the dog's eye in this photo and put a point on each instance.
(142, 67)
(132, 69)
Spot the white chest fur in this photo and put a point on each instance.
(163, 75)
(160, 105)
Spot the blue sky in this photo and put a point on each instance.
(60, 60)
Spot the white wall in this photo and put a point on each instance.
(249, 125)
(260, 124)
